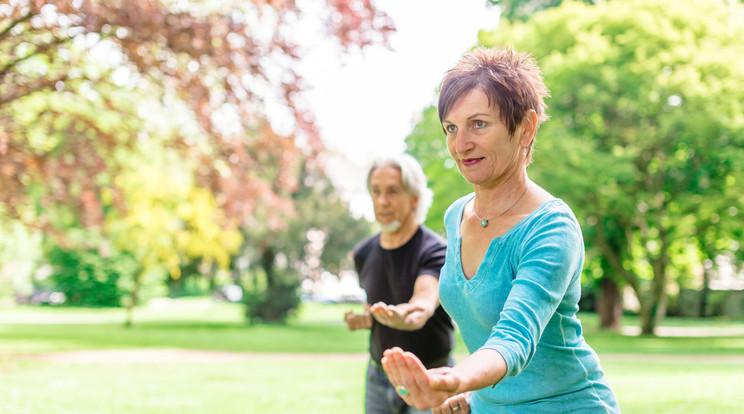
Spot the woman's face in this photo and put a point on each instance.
(480, 143)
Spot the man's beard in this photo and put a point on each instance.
(391, 227)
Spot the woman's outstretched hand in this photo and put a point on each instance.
(418, 386)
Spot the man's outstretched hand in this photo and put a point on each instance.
(404, 317)
(355, 321)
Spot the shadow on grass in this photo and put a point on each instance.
(318, 329)
(604, 342)
(219, 336)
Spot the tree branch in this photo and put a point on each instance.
(39, 49)
(613, 258)
(35, 87)
(15, 23)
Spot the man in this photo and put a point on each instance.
(399, 269)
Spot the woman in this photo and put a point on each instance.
(512, 274)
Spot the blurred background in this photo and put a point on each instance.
(181, 183)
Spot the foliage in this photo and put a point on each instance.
(322, 232)
(427, 143)
(169, 219)
(523, 9)
(20, 252)
(273, 296)
(147, 122)
(647, 131)
(317, 238)
(646, 137)
(64, 64)
(88, 278)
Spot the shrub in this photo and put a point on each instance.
(86, 278)
(272, 302)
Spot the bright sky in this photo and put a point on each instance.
(367, 104)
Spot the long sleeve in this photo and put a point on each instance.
(549, 259)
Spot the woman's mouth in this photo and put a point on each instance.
(469, 162)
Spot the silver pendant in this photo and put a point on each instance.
(484, 223)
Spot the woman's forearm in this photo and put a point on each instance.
(481, 369)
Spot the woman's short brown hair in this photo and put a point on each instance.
(511, 80)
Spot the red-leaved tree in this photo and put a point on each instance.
(232, 56)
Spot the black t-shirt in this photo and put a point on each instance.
(389, 276)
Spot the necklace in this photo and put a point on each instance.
(485, 220)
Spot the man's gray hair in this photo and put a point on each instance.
(412, 178)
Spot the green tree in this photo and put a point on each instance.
(718, 232)
(20, 253)
(646, 136)
(84, 83)
(427, 144)
(317, 236)
(89, 278)
(169, 220)
(63, 64)
(647, 127)
(523, 9)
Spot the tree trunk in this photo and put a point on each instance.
(133, 299)
(268, 258)
(656, 303)
(648, 324)
(704, 292)
(652, 312)
(212, 277)
(175, 286)
(609, 305)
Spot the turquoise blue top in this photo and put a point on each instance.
(522, 302)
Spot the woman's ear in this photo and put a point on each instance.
(528, 128)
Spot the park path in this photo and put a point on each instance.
(183, 355)
(196, 356)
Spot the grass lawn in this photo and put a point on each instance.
(253, 386)
(313, 365)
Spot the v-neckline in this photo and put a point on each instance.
(493, 241)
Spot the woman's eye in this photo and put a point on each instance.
(478, 124)
(451, 129)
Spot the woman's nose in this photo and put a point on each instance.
(462, 143)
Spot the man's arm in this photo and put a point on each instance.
(411, 315)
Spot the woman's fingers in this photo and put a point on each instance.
(457, 404)
(428, 396)
(406, 374)
(405, 370)
(460, 404)
(390, 365)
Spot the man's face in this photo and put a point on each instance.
(393, 205)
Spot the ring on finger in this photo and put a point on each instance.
(456, 408)
(402, 391)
